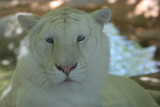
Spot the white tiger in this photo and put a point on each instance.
(63, 62)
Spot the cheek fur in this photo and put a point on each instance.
(46, 53)
(56, 77)
(78, 75)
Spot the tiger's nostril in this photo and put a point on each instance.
(66, 69)
(58, 67)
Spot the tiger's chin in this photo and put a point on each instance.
(70, 80)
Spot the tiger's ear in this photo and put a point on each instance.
(28, 21)
(102, 16)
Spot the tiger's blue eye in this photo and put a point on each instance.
(80, 38)
(49, 40)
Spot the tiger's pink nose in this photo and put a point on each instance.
(66, 69)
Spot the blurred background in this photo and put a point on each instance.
(134, 31)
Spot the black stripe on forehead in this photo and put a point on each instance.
(66, 15)
(65, 18)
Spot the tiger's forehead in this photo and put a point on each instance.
(68, 27)
(67, 22)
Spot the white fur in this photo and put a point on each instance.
(38, 83)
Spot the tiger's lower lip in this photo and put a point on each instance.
(68, 80)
